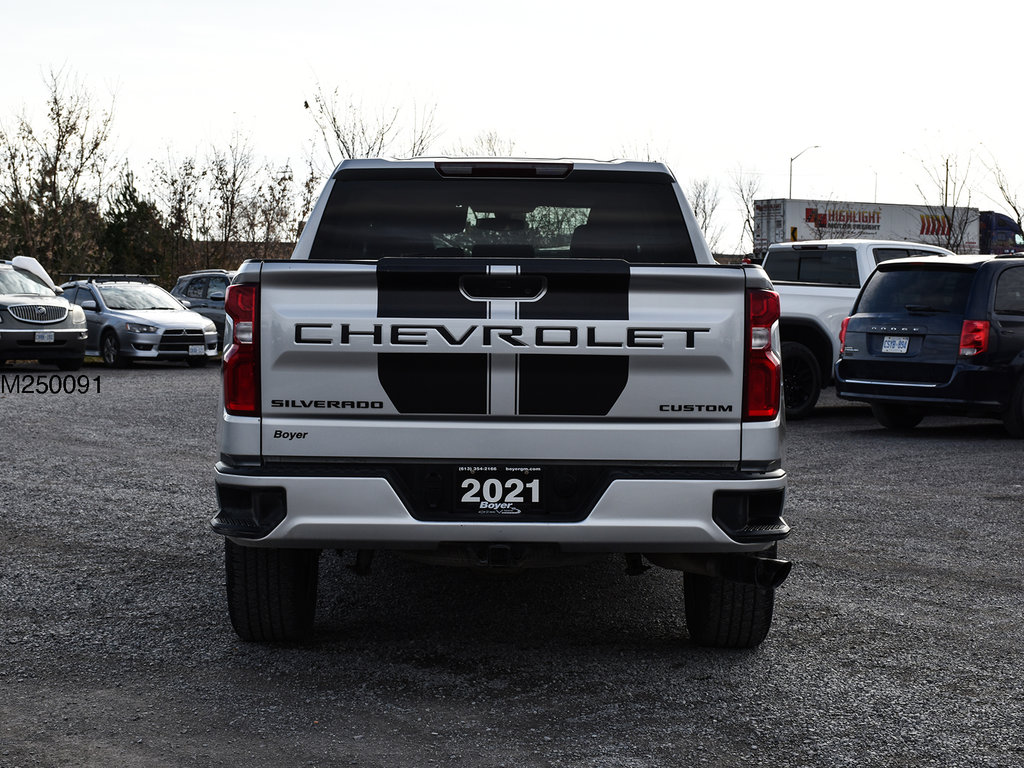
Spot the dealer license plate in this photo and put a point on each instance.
(196, 349)
(895, 345)
(44, 337)
(499, 490)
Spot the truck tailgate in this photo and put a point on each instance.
(541, 359)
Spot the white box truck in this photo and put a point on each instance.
(961, 230)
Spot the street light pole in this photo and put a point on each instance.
(794, 157)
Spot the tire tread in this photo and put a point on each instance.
(271, 592)
(726, 614)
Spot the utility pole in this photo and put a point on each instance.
(794, 157)
(945, 189)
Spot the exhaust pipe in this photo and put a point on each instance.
(762, 572)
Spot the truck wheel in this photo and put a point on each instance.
(726, 614)
(1013, 418)
(271, 592)
(110, 351)
(801, 379)
(897, 417)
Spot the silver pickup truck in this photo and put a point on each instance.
(502, 364)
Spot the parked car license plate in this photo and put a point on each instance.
(196, 349)
(895, 345)
(44, 337)
(499, 490)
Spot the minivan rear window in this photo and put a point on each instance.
(638, 222)
(899, 291)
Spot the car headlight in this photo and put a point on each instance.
(77, 314)
(140, 328)
(210, 328)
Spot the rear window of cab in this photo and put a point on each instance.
(832, 266)
(371, 219)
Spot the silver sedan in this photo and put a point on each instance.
(129, 320)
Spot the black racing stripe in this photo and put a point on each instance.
(430, 383)
(570, 385)
(426, 288)
(579, 290)
(435, 383)
(575, 385)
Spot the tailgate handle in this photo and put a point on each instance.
(503, 287)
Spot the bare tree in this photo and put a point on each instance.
(423, 131)
(1010, 195)
(306, 196)
(52, 178)
(948, 198)
(485, 144)
(231, 172)
(643, 152)
(268, 213)
(180, 191)
(745, 187)
(704, 198)
(344, 130)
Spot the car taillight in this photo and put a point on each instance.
(763, 383)
(241, 369)
(973, 337)
(842, 336)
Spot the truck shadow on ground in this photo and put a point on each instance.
(591, 604)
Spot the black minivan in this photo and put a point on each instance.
(937, 335)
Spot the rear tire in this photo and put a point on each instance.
(1013, 418)
(271, 592)
(726, 614)
(801, 379)
(897, 417)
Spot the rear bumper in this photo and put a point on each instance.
(969, 388)
(695, 514)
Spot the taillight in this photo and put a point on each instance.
(973, 337)
(241, 369)
(763, 383)
(842, 336)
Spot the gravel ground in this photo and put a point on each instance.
(897, 639)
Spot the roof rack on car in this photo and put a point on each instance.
(97, 277)
(210, 271)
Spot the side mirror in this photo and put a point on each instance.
(185, 304)
(89, 304)
(216, 296)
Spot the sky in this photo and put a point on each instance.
(875, 95)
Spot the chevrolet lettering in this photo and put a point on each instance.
(517, 336)
(502, 364)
